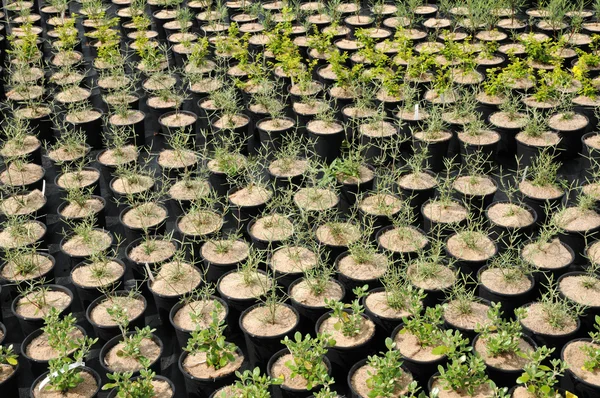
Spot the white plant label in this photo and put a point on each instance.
(524, 174)
(47, 379)
(43, 187)
(416, 111)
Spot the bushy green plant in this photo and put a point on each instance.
(539, 379)
(211, 340)
(501, 336)
(307, 356)
(349, 316)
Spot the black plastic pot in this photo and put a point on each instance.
(236, 305)
(261, 348)
(88, 294)
(100, 215)
(139, 269)
(588, 319)
(417, 197)
(509, 301)
(466, 332)
(10, 386)
(540, 205)
(202, 388)
(384, 325)
(105, 333)
(76, 259)
(527, 153)
(342, 358)
(421, 370)
(497, 231)
(11, 287)
(262, 244)
(92, 130)
(350, 191)
(272, 140)
(134, 233)
(37, 366)
(181, 334)
(557, 341)
(310, 314)
(436, 150)
(444, 228)
(168, 131)
(214, 271)
(468, 267)
(590, 155)
(281, 391)
(327, 146)
(165, 303)
(154, 366)
(504, 377)
(571, 140)
(575, 384)
(352, 392)
(83, 368)
(28, 325)
(577, 242)
(350, 283)
(244, 214)
(94, 187)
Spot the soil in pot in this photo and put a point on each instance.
(443, 214)
(28, 203)
(114, 361)
(354, 271)
(471, 249)
(25, 234)
(581, 381)
(553, 256)
(361, 372)
(269, 231)
(402, 241)
(511, 291)
(105, 326)
(309, 300)
(88, 388)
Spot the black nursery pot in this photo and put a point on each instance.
(342, 358)
(261, 348)
(588, 319)
(10, 386)
(189, 129)
(236, 305)
(468, 267)
(76, 259)
(139, 269)
(327, 146)
(578, 386)
(154, 366)
(589, 153)
(100, 215)
(577, 242)
(94, 187)
(28, 325)
(272, 140)
(421, 370)
(557, 341)
(437, 151)
(261, 244)
(181, 334)
(353, 369)
(202, 388)
(37, 366)
(418, 197)
(351, 283)
(311, 314)
(165, 303)
(281, 391)
(105, 333)
(92, 130)
(504, 377)
(244, 214)
(134, 233)
(509, 301)
(89, 294)
(214, 271)
(384, 326)
(83, 368)
(11, 287)
(497, 230)
(113, 393)
(350, 191)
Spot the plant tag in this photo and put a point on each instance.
(149, 272)
(416, 111)
(43, 187)
(524, 174)
(47, 379)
